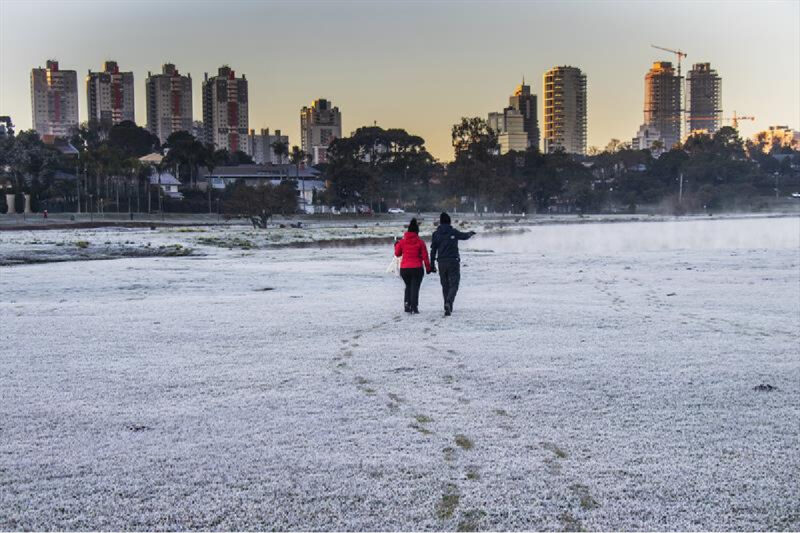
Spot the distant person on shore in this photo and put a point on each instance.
(414, 255)
(444, 248)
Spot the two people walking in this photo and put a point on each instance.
(414, 254)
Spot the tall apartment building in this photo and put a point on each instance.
(169, 102)
(109, 95)
(320, 124)
(704, 93)
(565, 110)
(523, 101)
(510, 128)
(54, 100)
(225, 110)
(662, 102)
(260, 147)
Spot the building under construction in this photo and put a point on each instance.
(662, 102)
(704, 94)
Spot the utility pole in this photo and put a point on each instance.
(776, 183)
(680, 189)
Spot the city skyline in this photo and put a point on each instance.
(424, 75)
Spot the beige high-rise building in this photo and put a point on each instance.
(704, 94)
(320, 124)
(169, 102)
(565, 110)
(109, 95)
(662, 102)
(54, 100)
(225, 110)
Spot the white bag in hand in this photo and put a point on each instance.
(394, 266)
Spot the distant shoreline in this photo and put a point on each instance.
(59, 222)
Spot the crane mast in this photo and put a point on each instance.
(680, 54)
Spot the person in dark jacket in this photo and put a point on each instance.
(444, 248)
(415, 254)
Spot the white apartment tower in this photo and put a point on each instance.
(54, 100)
(109, 95)
(320, 124)
(169, 102)
(225, 110)
(565, 110)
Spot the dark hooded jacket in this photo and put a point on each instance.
(444, 244)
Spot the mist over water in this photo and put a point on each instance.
(605, 238)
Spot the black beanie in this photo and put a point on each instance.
(444, 218)
(413, 227)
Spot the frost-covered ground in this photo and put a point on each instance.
(592, 376)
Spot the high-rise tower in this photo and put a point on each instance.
(169, 102)
(320, 124)
(54, 100)
(704, 93)
(662, 102)
(109, 95)
(225, 110)
(523, 101)
(565, 110)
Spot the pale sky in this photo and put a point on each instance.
(412, 64)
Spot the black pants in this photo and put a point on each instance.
(412, 277)
(449, 275)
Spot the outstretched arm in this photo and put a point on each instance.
(398, 248)
(461, 236)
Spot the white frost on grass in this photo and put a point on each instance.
(597, 386)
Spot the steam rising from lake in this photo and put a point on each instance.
(604, 238)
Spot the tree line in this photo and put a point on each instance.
(107, 175)
(383, 168)
(380, 168)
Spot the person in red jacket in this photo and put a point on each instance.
(415, 254)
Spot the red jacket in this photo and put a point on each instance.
(413, 251)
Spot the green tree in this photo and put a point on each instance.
(184, 151)
(132, 140)
(280, 149)
(224, 158)
(374, 163)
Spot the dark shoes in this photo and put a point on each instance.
(415, 311)
(448, 309)
(408, 308)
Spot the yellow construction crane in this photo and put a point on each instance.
(678, 53)
(734, 120)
